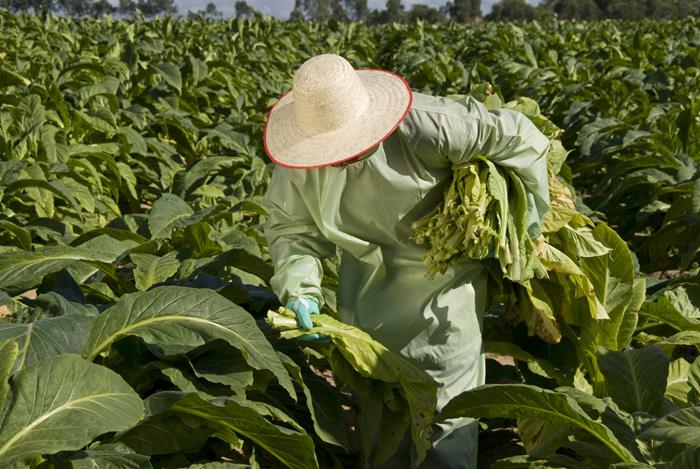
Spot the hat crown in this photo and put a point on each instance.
(328, 94)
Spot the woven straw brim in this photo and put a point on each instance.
(286, 144)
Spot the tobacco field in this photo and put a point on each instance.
(137, 324)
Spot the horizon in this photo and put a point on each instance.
(282, 8)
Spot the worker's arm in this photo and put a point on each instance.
(295, 243)
(460, 131)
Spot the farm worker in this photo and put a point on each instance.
(359, 158)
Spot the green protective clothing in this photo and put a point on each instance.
(366, 208)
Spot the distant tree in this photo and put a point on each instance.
(211, 11)
(574, 9)
(626, 9)
(319, 10)
(464, 10)
(425, 13)
(338, 12)
(74, 7)
(101, 8)
(687, 8)
(603, 5)
(147, 7)
(639, 9)
(356, 10)
(672, 9)
(92, 7)
(127, 7)
(37, 6)
(512, 10)
(157, 7)
(244, 10)
(394, 11)
(298, 11)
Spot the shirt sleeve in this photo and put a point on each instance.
(460, 131)
(295, 243)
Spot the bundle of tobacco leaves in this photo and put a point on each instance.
(394, 395)
(575, 271)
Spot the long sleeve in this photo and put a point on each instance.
(295, 243)
(460, 131)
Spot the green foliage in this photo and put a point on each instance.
(130, 233)
(60, 393)
(632, 421)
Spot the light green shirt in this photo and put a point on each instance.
(367, 207)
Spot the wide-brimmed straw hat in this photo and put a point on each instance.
(334, 113)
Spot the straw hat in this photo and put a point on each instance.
(334, 113)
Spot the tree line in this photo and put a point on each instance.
(395, 11)
(91, 7)
(504, 10)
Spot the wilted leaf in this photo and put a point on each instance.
(372, 360)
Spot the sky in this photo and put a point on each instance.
(282, 8)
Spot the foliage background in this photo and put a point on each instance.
(132, 170)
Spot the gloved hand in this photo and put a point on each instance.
(304, 308)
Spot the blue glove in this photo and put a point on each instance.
(304, 308)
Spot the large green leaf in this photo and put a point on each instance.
(170, 73)
(369, 398)
(675, 307)
(681, 426)
(165, 434)
(240, 259)
(168, 212)
(323, 403)
(9, 77)
(292, 448)
(218, 465)
(24, 239)
(555, 461)
(152, 269)
(612, 276)
(112, 456)
(186, 316)
(521, 400)
(677, 386)
(636, 379)
(627, 325)
(586, 243)
(538, 365)
(218, 362)
(62, 403)
(47, 338)
(688, 459)
(25, 269)
(8, 355)
(694, 376)
(54, 187)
